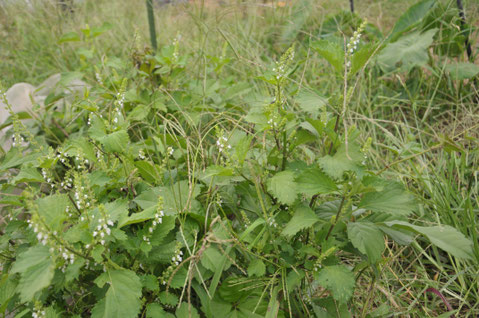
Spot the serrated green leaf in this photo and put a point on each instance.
(156, 311)
(186, 311)
(7, 290)
(53, 210)
(343, 160)
(444, 236)
(123, 296)
(332, 52)
(210, 259)
(303, 218)
(28, 174)
(73, 271)
(313, 181)
(367, 238)
(116, 141)
(311, 102)
(283, 187)
(256, 268)
(35, 267)
(148, 171)
(339, 280)
(393, 199)
(150, 282)
(361, 56)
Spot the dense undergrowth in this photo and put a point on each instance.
(265, 161)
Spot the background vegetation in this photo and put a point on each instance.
(413, 112)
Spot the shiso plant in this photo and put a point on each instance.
(142, 207)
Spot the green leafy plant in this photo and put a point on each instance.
(166, 198)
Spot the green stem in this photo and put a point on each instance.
(337, 217)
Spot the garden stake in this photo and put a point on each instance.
(151, 23)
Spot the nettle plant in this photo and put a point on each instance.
(144, 211)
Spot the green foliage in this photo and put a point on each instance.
(174, 187)
(407, 52)
(339, 279)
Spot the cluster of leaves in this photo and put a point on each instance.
(162, 196)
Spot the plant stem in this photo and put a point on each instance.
(370, 294)
(337, 216)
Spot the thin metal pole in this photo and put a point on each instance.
(463, 24)
(351, 5)
(151, 23)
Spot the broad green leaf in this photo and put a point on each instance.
(73, 271)
(331, 309)
(138, 113)
(256, 268)
(16, 158)
(148, 171)
(339, 280)
(444, 236)
(7, 290)
(186, 311)
(154, 310)
(139, 217)
(303, 218)
(69, 37)
(175, 197)
(96, 31)
(68, 77)
(409, 51)
(367, 238)
(220, 175)
(116, 141)
(411, 17)
(283, 187)
(53, 210)
(210, 259)
(123, 296)
(311, 102)
(28, 174)
(393, 199)
(35, 267)
(332, 52)
(343, 160)
(361, 57)
(400, 236)
(162, 230)
(462, 70)
(313, 181)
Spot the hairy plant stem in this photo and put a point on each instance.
(337, 217)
